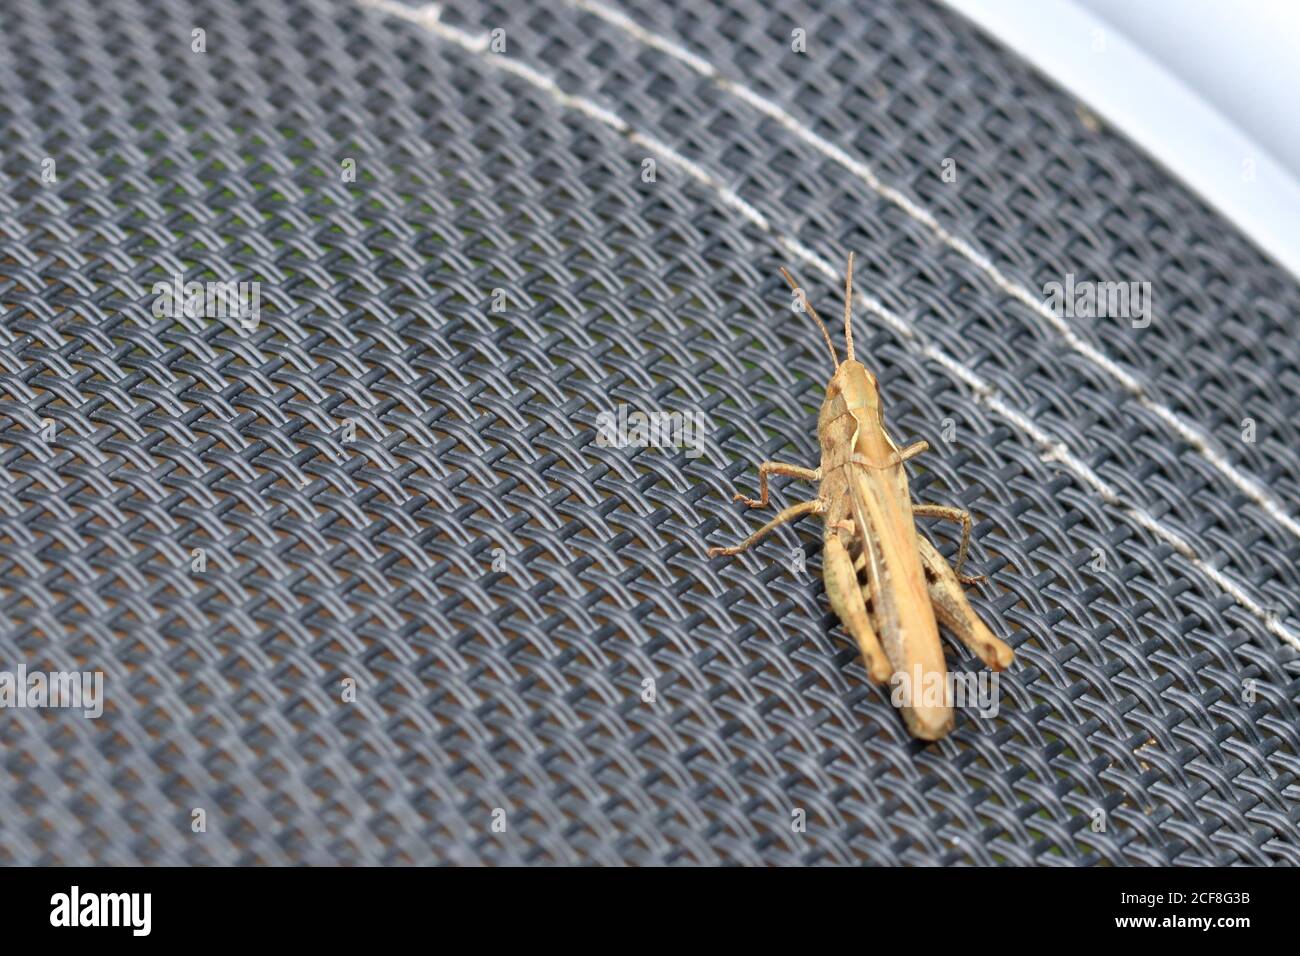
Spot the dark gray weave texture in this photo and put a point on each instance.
(497, 584)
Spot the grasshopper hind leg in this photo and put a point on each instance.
(954, 611)
(845, 594)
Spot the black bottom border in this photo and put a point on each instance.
(664, 906)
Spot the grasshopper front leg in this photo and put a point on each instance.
(777, 468)
(914, 449)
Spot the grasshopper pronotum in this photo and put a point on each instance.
(885, 581)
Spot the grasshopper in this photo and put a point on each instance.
(885, 582)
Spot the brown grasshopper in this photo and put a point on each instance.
(881, 576)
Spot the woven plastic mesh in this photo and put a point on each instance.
(498, 585)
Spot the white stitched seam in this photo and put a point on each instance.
(1051, 450)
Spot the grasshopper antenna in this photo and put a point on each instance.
(835, 359)
(848, 307)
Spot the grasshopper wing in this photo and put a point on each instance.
(881, 506)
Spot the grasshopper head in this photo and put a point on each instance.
(852, 399)
(853, 386)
